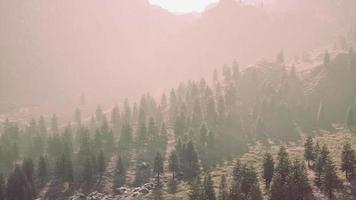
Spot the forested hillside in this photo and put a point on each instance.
(200, 140)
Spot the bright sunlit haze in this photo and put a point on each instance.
(183, 6)
(177, 99)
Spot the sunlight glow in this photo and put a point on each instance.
(183, 6)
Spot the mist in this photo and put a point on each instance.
(54, 51)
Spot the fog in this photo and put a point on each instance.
(51, 52)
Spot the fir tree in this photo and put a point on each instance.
(223, 194)
(320, 164)
(28, 171)
(268, 169)
(348, 159)
(101, 163)
(18, 188)
(208, 192)
(98, 113)
(42, 170)
(329, 180)
(54, 124)
(283, 163)
(158, 167)
(173, 164)
(350, 118)
(190, 162)
(309, 150)
(195, 190)
(279, 188)
(298, 183)
(120, 173)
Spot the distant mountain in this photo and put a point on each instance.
(52, 51)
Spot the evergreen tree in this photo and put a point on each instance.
(18, 188)
(245, 183)
(158, 166)
(173, 164)
(283, 163)
(115, 119)
(268, 169)
(98, 113)
(298, 183)
(208, 192)
(42, 126)
(350, 118)
(195, 190)
(101, 163)
(54, 124)
(320, 164)
(309, 150)
(279, 188)
(223, 194)
(180, 125)
(125, 137)
(42, 169)
(28, 171)
(348, 159)
(190, 162)
(329, 180)
(120, 173)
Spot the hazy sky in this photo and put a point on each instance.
(183, 6)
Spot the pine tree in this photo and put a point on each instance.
(268, 169)
(42, 126)
(42, 169)
(69, 170)
(208, 192)
(298, 183)
(101, 163)
(309, 150)
(320, 164)
(173, 164)
(195, 190)
(350, 118)
(279, 188)
(348, 159)
(54, 124)
(98, 113)
(158, 166)
(120, 173)
(223, 194)
(190, 162)
(18, 188)
(28, 171)
(283, 163)
(245, 183)
(125, 137)
(329, 180)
